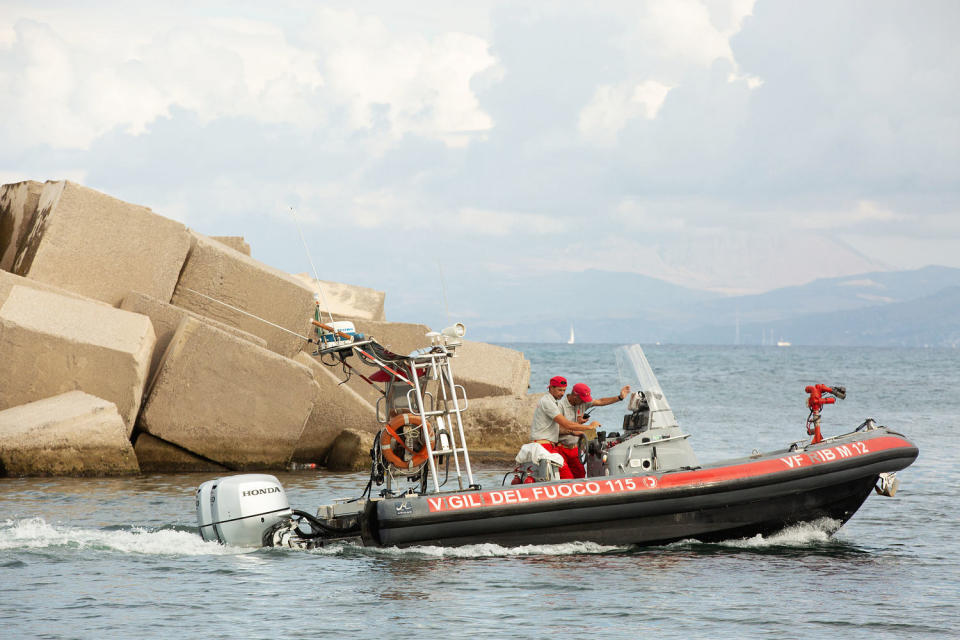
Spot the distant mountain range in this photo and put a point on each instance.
(882, 308)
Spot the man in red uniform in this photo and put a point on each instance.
(548, 419)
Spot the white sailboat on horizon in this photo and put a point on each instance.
(571, 339)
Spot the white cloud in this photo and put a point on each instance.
(72, 79)
(671, 39)
(423, 83)
(687, 32)
(683, 29)
(612, 107)
(664, 120)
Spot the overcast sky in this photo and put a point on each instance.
(735, 145)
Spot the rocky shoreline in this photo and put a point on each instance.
(130, 343)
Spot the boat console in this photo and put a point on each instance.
(651, 439)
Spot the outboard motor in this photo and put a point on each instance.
(238, 510)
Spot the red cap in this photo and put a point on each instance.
(558, 381)
(582, 391)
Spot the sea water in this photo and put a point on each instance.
(98, 558)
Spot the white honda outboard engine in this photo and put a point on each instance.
(237, 510)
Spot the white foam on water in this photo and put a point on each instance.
(483, 550)
(35, 533)
(798, 535)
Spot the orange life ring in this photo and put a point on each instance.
(389, 435)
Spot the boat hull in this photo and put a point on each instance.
(740, 498)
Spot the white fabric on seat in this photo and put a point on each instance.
(533, 452)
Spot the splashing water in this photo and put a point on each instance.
(802, 535)
(36, 533)
(798, 535)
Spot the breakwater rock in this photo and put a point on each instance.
(131, 343)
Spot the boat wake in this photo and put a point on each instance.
(484, 550)
(804, 535)
(36, 534)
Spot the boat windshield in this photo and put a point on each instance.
(634, 370)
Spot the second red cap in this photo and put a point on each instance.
(582, 391)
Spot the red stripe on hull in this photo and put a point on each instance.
(630, 484)
(852, 449)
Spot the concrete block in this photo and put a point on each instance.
(18, 204)
(167, 317)
(490, 370)
(336, 407)
(159, 456)
(71, 434)
(345, 301)
(85, 241)
(228, 400)
(51, 344)
(483, 369)
(350, 451)
(237, 243)
(9, 280)
(496, 427)
(220, 283)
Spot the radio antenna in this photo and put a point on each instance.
(316, 278)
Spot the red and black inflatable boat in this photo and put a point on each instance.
(644, 484)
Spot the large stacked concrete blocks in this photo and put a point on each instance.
(166, 318)
(335, 408)
(50, 344)
(345, 301)
(216, 401)
(73, 433)
(228, 400)
(18, 202)
(87, 242)
(225, 285)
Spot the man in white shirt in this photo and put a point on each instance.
(549, 419)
